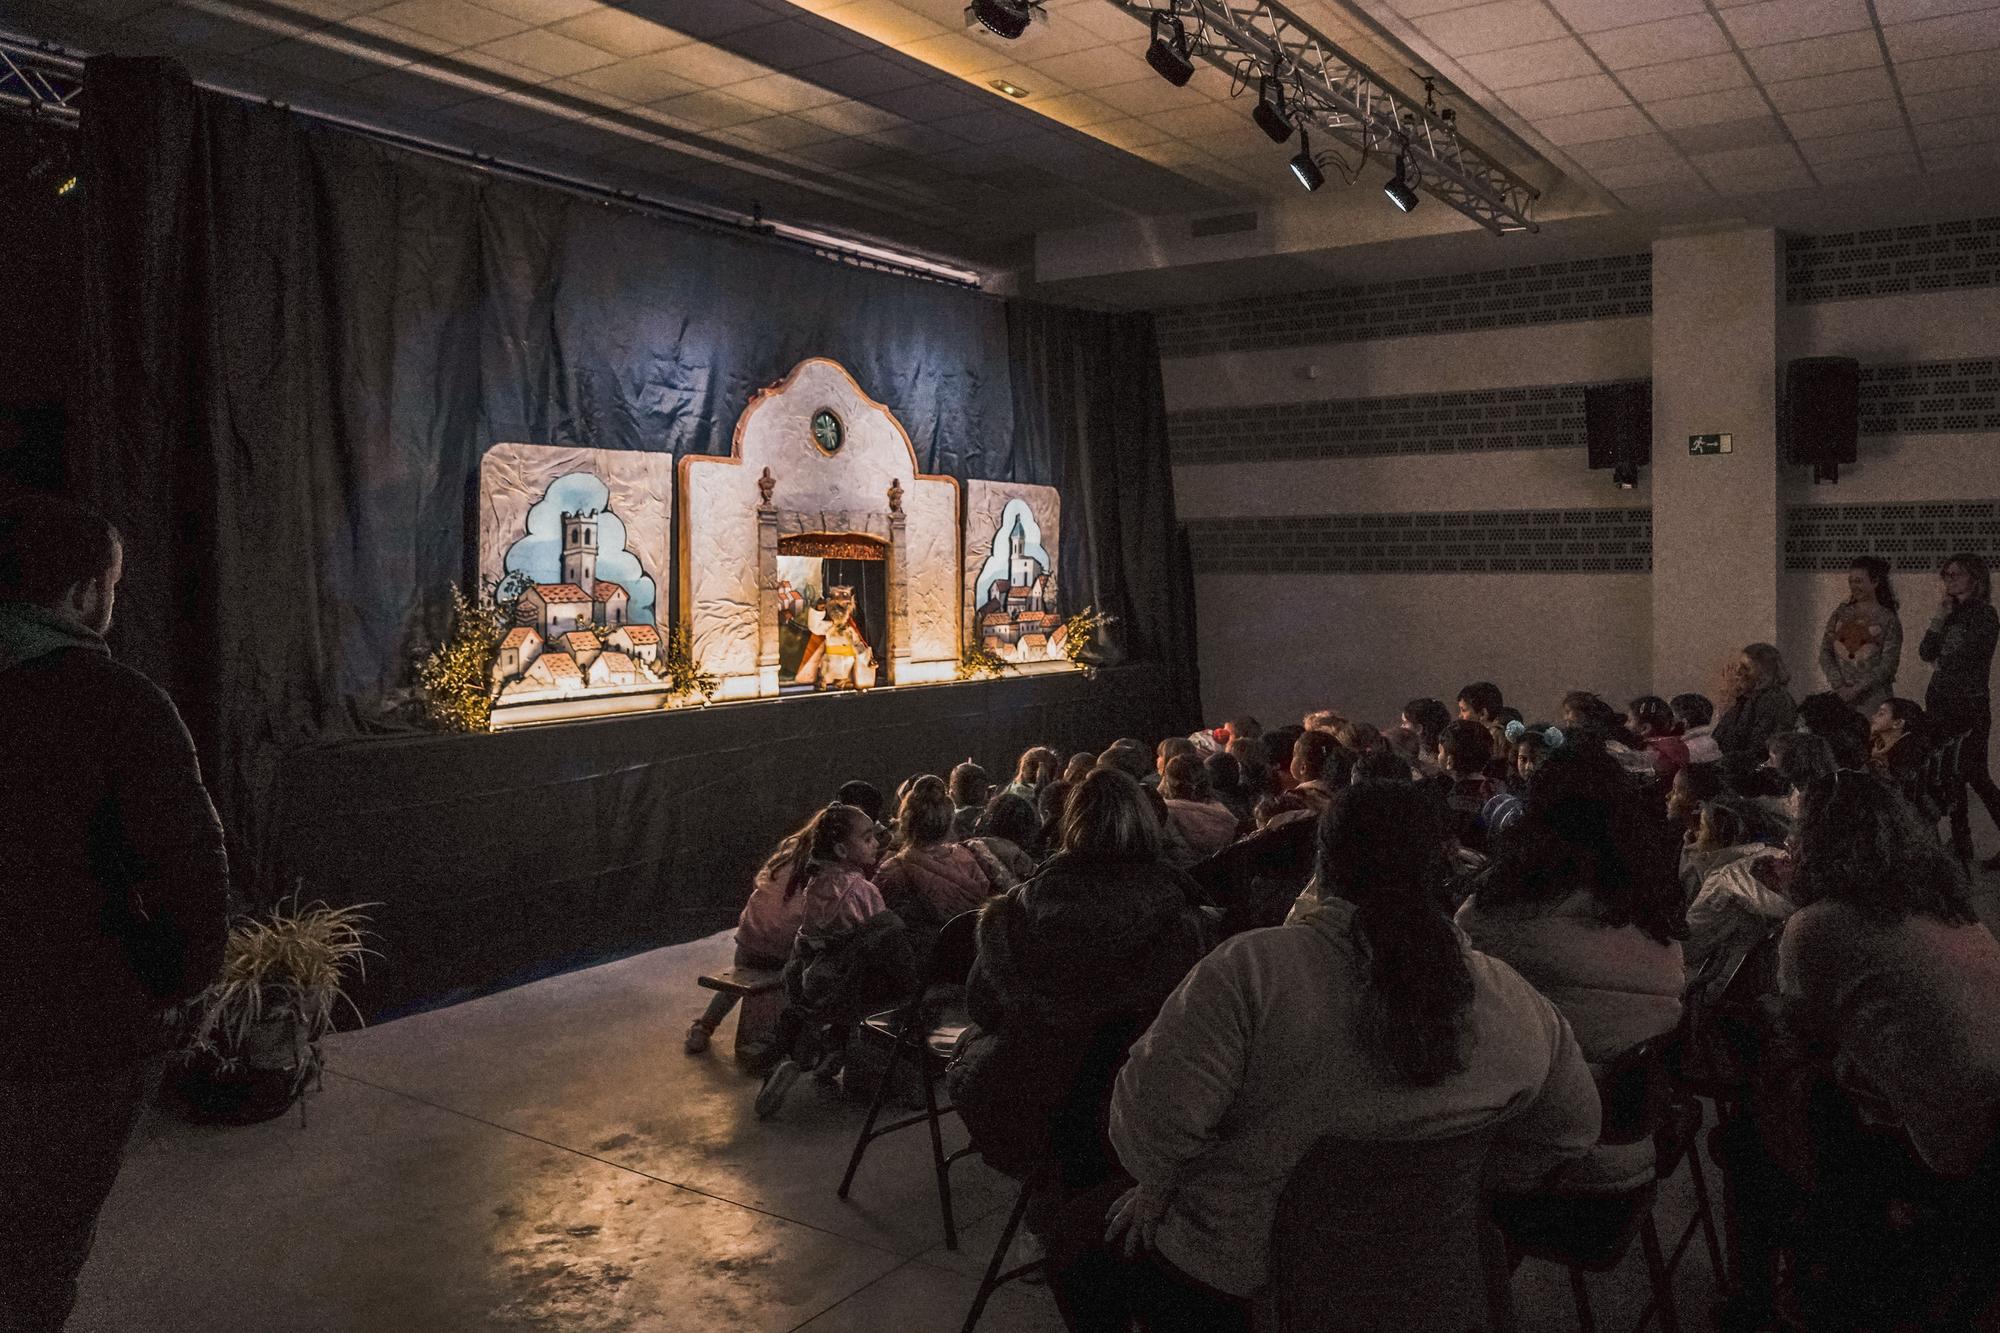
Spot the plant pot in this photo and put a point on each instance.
(210, 1091)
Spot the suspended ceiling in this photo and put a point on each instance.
(883, 119)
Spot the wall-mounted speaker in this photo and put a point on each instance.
(1618, 428)
(1822, 413)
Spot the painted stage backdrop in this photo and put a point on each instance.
(817, 555)
(577, 542)
(1012, 535)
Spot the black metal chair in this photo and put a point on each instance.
(914, 1031)
(1592, 1233)
(1944, 777)
(994, 1278)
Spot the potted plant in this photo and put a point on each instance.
(253, 1043)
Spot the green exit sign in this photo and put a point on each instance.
(1699, 445)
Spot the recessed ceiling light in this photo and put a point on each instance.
(1011, 89)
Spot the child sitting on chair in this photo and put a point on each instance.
(850, 953)
(770, 920)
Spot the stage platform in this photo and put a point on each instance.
(499, 858)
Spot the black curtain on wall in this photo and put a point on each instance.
(300, 341)
(1088, 396)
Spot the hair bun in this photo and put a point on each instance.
(1516, 729)
(1553, 736)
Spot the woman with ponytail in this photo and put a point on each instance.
(1371, 1018)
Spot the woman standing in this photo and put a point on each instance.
(1863, 642)
(1959, 647)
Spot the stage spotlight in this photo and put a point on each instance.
(1270, 113)
(1304, 168)
(1009, 18)
(1398, 189)
(1170, 56)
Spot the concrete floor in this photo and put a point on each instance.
(548, 1159)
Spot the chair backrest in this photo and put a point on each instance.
(1383, 1236)
(1635, 1092)
(950, 961)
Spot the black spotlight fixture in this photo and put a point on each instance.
(1009, 18)
(1169, 53)
(1398, 189)
(1270, 113)
(1304, 168)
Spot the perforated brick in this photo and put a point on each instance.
(1517, 541)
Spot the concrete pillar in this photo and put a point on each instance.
(1717, 543)
(767, 598)
(897, 577)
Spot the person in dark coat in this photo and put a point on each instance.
(1071, 968)
(113, 895)
(1762, 707)
(1959, 646)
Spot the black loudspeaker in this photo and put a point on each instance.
(1823, 413)
(1618, 428)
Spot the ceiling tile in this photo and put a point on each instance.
(540, 12)
(1564, 97)
(383, 36)
(1708, 108)
(619, 33)
(1868, 143)
(711, 109)
(325, 9)
(993, 126)
(782, 92)
(1924, 108)
(551, 53)
(1539, 62)
(1413, 9)
(710, 18)
(1588, 126)
(779, 132)
(1077, 109)
(706, 66)
(1648, 147)
(1208, 118)
(1856, 85)
(914, 139)
(883, 22)
(1961, 157)
(1490, 27)
(1736, 161)
(1131, 132)
(1663, 171)
(1593, 15)
(1106, 21)
(1699, 141)
(1902, 11)
(792, 43)
(451, 20)
(1972, 129)
(1142, 97)
(931, 101)
(958, 55)
(505, 70)
(1817, 55)
(1951, 35)
(1658, 43)
(1685, 78)
(1794, 177)
(1947, 72)
(641, 79)
(1666, 199)
(850, 117)
(1868, 168)
(1794, 20)
(861, 75)
(589, 136)
(1850, 119)
(493, 113)
(1102, 68)
(206, 32)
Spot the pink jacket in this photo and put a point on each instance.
(1207, 825)
(945, 875)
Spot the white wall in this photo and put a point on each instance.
(1278, 645)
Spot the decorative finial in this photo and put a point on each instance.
(766, 484)
(895, 496)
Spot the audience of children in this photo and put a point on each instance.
(1618, 857)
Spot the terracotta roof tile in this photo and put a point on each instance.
(561, 593)
(516, 637)
(640, 633)
(579, 641)
(560, 665)
(605, 589)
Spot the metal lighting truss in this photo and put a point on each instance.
(1334, 92)
(41, 81)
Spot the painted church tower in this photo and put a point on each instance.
(579, 550)
(1021, 568)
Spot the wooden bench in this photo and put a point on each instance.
(762, 992)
